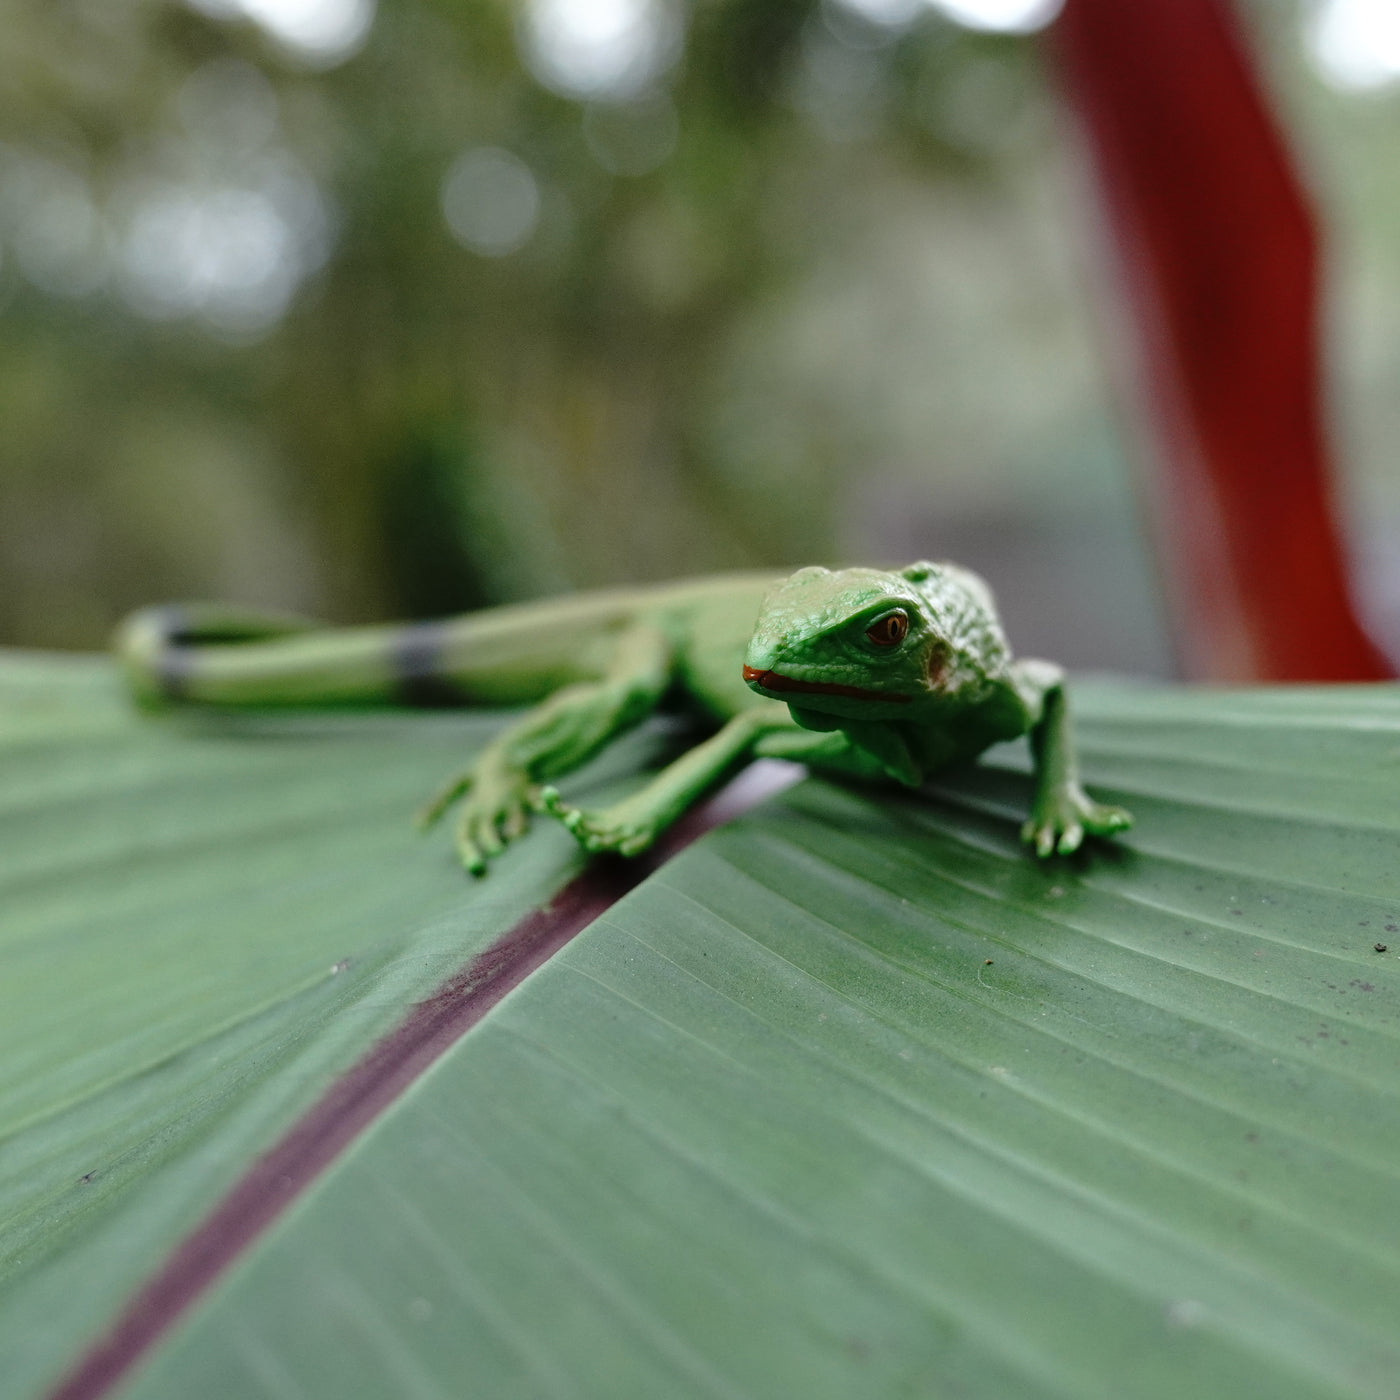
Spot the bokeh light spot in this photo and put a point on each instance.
(887, 14)
(491, 201)
(232, 254)
(54, 226)
(321, 33)
(631, 138)
(1356, 43)
(226, 253)
(229, 105)
(610, 49)
(1001, 16)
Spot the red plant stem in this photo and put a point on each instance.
(1218, 257)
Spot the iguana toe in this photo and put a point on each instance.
(1063, 818)
(1107, 821)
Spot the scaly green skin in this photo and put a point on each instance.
(859, 672)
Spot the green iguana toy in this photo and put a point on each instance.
(857, 672)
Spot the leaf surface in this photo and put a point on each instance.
(203, 920)
(851, 1098)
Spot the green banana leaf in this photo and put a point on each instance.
(851, 1098)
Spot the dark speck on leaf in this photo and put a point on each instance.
(1380, 947)
(86, 1177)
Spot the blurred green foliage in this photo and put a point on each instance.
(406, 329)
(816, 291)
(801, 292)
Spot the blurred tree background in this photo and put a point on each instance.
(401, 310)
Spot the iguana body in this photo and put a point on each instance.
(858, 672)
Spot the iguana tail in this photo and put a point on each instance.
(217, 655)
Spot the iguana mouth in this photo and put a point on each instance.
(777, 682)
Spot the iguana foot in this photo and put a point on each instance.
(495, 812)
(485, 827)
(1064, 817)
(620, 829)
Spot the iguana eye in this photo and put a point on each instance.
(889, 631)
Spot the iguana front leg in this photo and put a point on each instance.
(500, 789)
(1062, 813)
(630, 826)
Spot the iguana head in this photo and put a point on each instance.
(849, 645)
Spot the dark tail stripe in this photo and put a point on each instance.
(173, 662)
(416, 658)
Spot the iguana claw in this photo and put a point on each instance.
(606, 830)
(1063, 818)
(496, 811)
